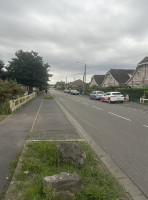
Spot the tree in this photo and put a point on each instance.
(29, 69)
(2, 73)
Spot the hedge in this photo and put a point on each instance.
(132, 91)
(146, 94)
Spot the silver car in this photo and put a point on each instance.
(74, 92)
(97, 95)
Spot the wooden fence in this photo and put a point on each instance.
(15, 104)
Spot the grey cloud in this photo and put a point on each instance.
(103, 34)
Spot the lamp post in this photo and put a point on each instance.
(84, 76)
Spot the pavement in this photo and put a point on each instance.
(41, 119)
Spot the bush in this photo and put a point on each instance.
(5, 107)
(8, 91)
(146, 94)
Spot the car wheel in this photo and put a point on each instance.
(121, 101)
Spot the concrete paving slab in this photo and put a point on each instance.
(52, 124)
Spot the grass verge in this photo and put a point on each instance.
(3, 117)
(40, 159)
(47, 96)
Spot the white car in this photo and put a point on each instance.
(113, 97)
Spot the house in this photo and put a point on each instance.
(140, 76)
(117, 77)
(96, 80)
(78, 84)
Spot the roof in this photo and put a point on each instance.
(78, 83)
(144, 61)
(99, 79)
(121, 75)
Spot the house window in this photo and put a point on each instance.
(138, 74)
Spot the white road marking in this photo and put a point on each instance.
(97, 108)
(84, 103)
(119, 116)
(145, 126)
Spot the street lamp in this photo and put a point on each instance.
(84, 76)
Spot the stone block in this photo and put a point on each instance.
(71, 152)
(63, 184)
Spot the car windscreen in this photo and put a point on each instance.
(116, 93)
(100, 92)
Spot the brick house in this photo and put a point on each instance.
(117, 77)
(140, 76)
(96, 80)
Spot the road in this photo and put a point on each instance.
(120, 129)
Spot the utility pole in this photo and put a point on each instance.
(85, 74)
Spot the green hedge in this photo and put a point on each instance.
(5, 108)
(105, 89)
(146, 94)
(132, 91)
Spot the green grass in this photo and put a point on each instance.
(41, 159)
(47, 96)
(2, 117)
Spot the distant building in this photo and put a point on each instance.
(117, 77)
(140, 76)
(96, 80)
(78, 84)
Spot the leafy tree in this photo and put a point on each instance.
(2, 73)
(29, 69)
(60, 85)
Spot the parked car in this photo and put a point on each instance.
(74, 92)
(66, 91)
(113, 97)
(96, 95)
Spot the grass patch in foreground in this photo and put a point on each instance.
(2, 117)
(47, 96)
(41, 159)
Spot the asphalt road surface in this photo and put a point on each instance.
(120, 129)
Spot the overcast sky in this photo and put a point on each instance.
(102, 34)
